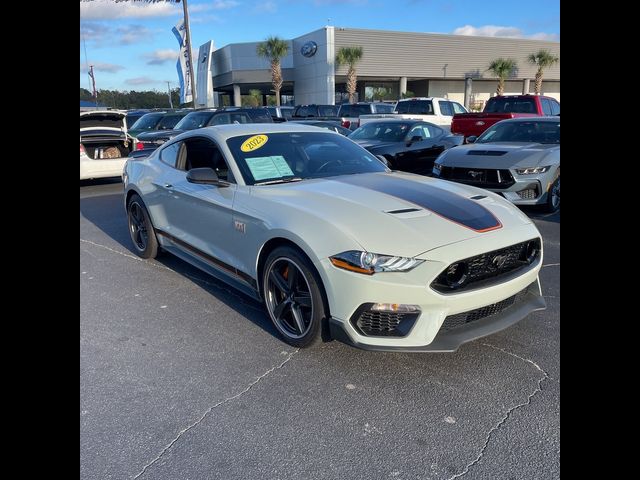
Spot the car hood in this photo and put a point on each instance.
(390, 213)
(374, 144)
(158, 135)
(497, 155)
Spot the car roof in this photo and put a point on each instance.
(224, 132)
(532, 119)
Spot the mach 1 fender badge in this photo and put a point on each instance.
(240, 226)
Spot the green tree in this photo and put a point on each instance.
(408, 94)
(350, 56)
(542, 59)
(502, 68)
(254, 98)
(273, 49)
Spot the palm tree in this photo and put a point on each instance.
(273, 49)
(350, 56)
(502, 68)
(542, 59)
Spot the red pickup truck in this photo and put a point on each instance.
(501, 108)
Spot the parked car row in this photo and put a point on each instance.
(518, 155)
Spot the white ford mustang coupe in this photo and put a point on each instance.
(335, 244)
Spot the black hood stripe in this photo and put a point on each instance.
(449, 205)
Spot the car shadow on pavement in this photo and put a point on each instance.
(537, 214)
(107, 213)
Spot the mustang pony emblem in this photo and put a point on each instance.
(499, 261)
(474, 173)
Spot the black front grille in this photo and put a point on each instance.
(460, 319)
(487, 267)
(479, 177)
(382, 324)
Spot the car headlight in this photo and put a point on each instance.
(369, 263)
(532, 170)
(437, 166)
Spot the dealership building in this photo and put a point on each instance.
(393, 63)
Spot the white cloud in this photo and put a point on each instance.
(160, 57)
(500, 31)
(102, 67)
(108, 9)
(224, 4)
(141, 81)
(266, 7)
(551, 37)
(133, 34)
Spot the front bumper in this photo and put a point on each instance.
(348, 291)
(451, 340)
(525, 189)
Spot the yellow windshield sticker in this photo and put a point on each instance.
(253, 143)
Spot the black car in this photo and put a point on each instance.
(316, 111)
(156, 121)
(203, 118)
(407, 145)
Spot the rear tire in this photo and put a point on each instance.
(143, 236)
(294, 297)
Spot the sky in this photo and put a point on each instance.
(131, 46)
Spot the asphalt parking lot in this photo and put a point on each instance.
(181, 377)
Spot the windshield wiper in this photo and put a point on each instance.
(280, 180)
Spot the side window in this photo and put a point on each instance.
(416, 131)
(169, 154)
(445, 108)
(546, 106)
(555, 108)
(221, 119)
(240, 118)
(345, 111)
(457, 108)
(431, 131)
(303, 112)
(204, 153)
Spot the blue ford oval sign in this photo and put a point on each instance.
(309, 49)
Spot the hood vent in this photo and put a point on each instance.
(404, 210)
(492, 153)
(478, 197)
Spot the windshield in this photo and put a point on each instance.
(194, 120)
(423, 107)
(384, 131)
(327, 110)
(147, 122)
(279, 157)
(529, 132)
(510, 105)
(169, 121)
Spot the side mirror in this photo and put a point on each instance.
(383, 159)
(205, 176)
(472, 139)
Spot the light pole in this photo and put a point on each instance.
(169, 91)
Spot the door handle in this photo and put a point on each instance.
(168, 185)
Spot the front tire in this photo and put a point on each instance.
(294, 297)
(553, 197)
(143, 237)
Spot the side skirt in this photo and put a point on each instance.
(210, 264)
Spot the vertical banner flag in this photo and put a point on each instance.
(184, 58)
